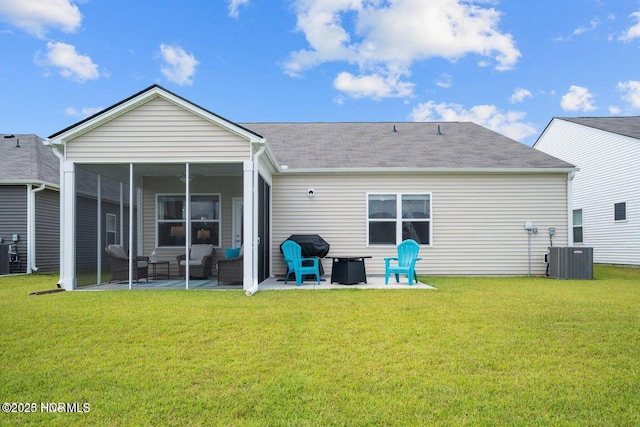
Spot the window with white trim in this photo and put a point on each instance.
(620, 211)
(577, 226)
(111, 227)
(205, 219)
(394, 217)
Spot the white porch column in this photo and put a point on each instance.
(250, 232)
(68, 227)
(99, 247)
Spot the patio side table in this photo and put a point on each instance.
(348, 270)
(154, 274)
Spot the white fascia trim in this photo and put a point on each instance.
(36, 182)
(426, 170)
(269, 154)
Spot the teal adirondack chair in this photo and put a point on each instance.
(293, 257)
(405, 263)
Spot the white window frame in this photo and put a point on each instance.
(399, 219)
(574, 226)
(184, 220)
(111, 227)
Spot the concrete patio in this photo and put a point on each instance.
(271, 284)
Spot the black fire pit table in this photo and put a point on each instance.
(348, 270)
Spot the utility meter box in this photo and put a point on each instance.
(570, 262)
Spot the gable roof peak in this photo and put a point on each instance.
(143, 96)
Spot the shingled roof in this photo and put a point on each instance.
(627, 126)
(413, 145)
(29, 162)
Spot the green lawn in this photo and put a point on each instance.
(478, 351)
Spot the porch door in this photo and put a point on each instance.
(238, 221)
(264, 229)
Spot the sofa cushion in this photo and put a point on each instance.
(231, 252)
(142, 264)
(193, 262)
(200, 251)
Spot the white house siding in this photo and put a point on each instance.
(158, 131)
(227, 186)
(478, 219)
(608, 174)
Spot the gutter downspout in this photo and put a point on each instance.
(31, 227)
(256, 161)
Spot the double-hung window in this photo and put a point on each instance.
(111, 227)
(577, 226)
(394, 217)
(205, 225)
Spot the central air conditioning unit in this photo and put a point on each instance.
(4, 259)
(567, 262)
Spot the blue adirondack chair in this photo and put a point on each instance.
(405, 262)
(293, 257)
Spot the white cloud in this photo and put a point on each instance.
(444, 81)
(179, 67)
(84, 112)
(634, 31)
(614, 110)
(374, 86)
(234, 5)
(519, 95)
(510, 124)
(70, 63)
(381, 37)
(38, 16)
(631, 92)
(592, 26)
(577, 99)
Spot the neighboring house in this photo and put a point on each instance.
(462, 191)
(606, 189)
(30, 207)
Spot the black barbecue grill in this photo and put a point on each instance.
(312, 245)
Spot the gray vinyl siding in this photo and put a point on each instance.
(608, 174)
(47, 212)
(227, 186)
(478, 219)
(13, 218)
(86, 225)
(158, 131)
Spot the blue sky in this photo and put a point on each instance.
(509, 65)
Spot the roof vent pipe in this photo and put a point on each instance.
(394, 128)
(439, 133)
(13, 136)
